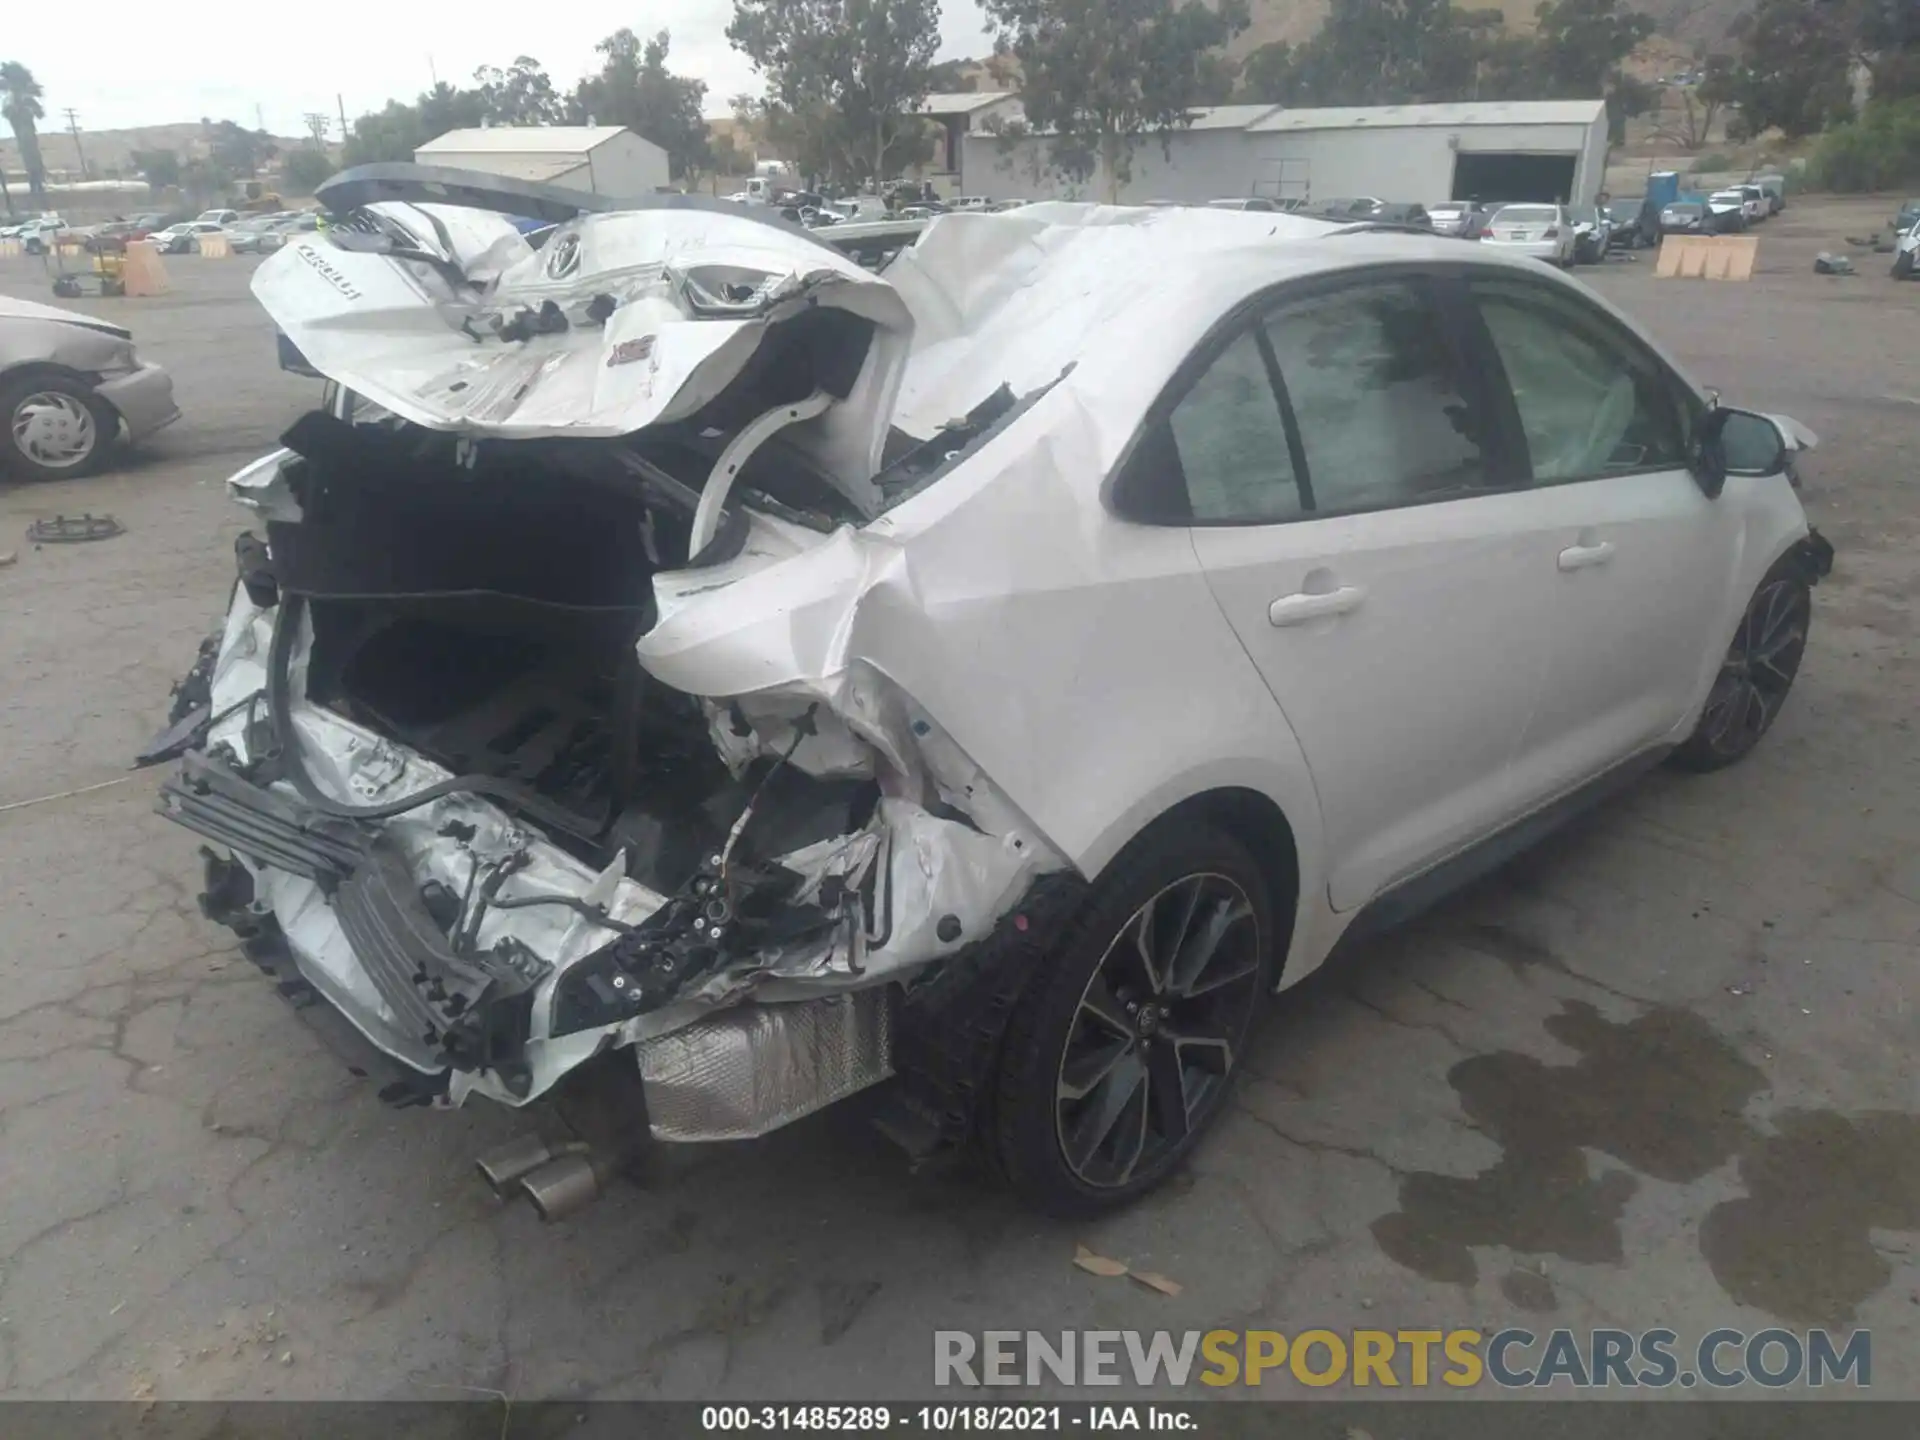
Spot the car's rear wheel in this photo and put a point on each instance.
(1758, 672)
(56, 427)
(1119, 1057)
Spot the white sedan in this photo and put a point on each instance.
(791, 677)
(1546, 232)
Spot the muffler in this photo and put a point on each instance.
(501, 1166)
(564, 1185)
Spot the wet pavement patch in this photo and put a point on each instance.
(1665, 1096)
(1799, 1243)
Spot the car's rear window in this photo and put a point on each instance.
(1526, 214)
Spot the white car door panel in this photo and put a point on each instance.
(1644, 551)
(1405, 661)
(1406, 643)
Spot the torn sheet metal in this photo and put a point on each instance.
(694, 293)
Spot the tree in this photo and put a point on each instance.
(1582, 43)
(1700, 105)
(238, 150)
(306, 169)
(634, 88)
(159, 168)
(1383, 52)
(396, 131)
(519, 95)
(1793, 71)
(20, 102)
(850, 73)
(1098, 74)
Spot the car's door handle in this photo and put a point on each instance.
(1299, 609)
(1579, 557)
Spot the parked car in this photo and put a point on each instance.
(1728, 210)
(1635, 221)
(1775, 189)
(219, 218)
(1592, 234)
(184, 238)
(1755, 205)
(1466, 219)
(797, 723)
(38, 235)
(1344, 208)
(260, 236)
(70, 387)
(1543, 231)
(1248, 202)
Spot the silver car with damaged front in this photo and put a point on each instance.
(70, 385)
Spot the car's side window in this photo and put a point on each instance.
(1591, 401)
(1231, 440)
(1377, 396)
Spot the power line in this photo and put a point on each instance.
(73, 128)
(317, 123)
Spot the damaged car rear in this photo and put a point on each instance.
(677, 646)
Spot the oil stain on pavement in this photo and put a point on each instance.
(1666, 1096)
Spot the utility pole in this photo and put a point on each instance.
(343, 118)
(73, 128)
(317, 123)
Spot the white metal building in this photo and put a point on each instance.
(602, 159)
(1509, 150)
(960, 113)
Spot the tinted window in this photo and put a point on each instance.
(1232, 442)
(1375, 394)
(1591, 400)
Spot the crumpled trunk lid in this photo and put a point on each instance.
(619, 322)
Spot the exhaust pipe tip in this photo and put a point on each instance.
(562, 1186)
(501, 1166)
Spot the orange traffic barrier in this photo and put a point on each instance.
(215, 247)
(1706, 257)
(144, 274)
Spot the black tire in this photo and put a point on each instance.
(1147, 1095)
(1754, 680)
(85, 415)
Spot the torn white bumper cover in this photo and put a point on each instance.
(741, 919)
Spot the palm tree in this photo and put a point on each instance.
(20, 103)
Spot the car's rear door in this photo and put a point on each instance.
(1355, 512)
(1643, 557)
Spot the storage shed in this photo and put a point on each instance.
(1554, 150)
(601, 159)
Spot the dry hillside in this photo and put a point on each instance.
(109, 152)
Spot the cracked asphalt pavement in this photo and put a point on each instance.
(1658, 1072)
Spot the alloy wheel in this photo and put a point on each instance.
(54, 429)
(1157, 1030)
(1759, 668)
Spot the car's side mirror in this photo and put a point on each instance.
(1738, 442)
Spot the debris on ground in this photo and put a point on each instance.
(1103, 1265)
(8, 558)
(74, 529)
(1827, 263)
(1097, 1264)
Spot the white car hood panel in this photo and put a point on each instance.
(405, 336)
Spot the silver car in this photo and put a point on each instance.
(69, 386)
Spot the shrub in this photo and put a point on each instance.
(1879, 151)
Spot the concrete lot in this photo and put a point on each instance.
(1658, 1073)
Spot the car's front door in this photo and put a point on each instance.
(1356, 516)
(1643, 557)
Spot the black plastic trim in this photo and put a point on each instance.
(1400, 903)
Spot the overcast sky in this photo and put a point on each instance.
(222, 62)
